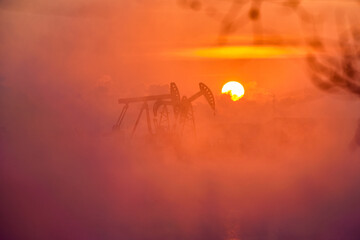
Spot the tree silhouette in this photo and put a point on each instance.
(339, 71)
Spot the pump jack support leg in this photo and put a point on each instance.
(137, 121)
(193, 120)
(121, 117)
(148, 117)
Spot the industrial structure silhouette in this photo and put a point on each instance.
(182, 109)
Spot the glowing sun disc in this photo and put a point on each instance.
(234, 89)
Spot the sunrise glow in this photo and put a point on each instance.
(243, 52)
(234, 89)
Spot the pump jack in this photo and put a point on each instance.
(182, 110)
(174, 96)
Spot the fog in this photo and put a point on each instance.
(281, 163)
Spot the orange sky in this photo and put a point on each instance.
(131, 42)
(277, 157)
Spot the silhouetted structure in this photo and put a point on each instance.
(182, 110)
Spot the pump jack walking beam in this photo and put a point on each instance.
(173, 97)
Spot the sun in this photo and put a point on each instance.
(234, 89)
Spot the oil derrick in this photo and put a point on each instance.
(183, 113)
(163, 123)
(171, 98)
(186, 112)
(183, 110)
(186, 117)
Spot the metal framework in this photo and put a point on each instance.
(182, 110)
(186, 109)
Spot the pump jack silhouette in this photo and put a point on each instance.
(182, 110)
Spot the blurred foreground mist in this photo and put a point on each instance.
(249, 174)
(62, 178)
